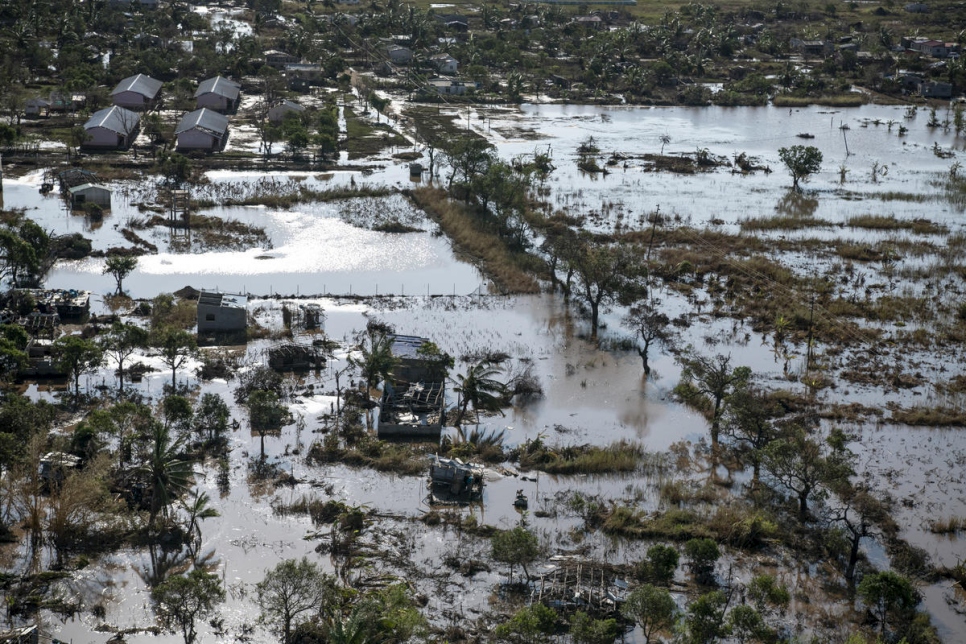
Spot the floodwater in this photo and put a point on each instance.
(590, 395)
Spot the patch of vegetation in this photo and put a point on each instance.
(620, 456)
(883, 222)
(366, 139)
(407, 459)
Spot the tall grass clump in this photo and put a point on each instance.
(620, 456)
(502, 266)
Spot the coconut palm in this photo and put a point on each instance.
(480, 388)
(167, 473)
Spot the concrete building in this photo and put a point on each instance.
(138, 92)
(202, 129)
(219, 94)
(90, 193)
(112, 128)
(222, 313)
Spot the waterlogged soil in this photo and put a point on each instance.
(591, 395)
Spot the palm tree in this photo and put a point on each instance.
(350, 630)
(480, 388)
(167, 473)
(198, 509)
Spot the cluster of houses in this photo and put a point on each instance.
(930, 47)
(205, 128)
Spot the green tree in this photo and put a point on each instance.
(659, 566)
(120, 267)
(291, 592)
(803, 465)
(707, 382)
(13, 350)
(529, 625)
(167, 473)
(75, 356)
(375, 357)
(176, 346)
(211, 417)
(121, 342)
(746, 625)
(479, 388)
(469, 157)
(198, 509)
(177, 414)
(802, 161)
(890, 597)
(18, 259)
(606, 273)
(651, 608)
(702, 555)
(586, 630)
(184, 599)
(749, 421)
(651, 326)
(266, 415)
(705, 622)
(516, 547)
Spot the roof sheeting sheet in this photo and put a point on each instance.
(220, 87)
(206, 120)
(140, 84)
(116, 119)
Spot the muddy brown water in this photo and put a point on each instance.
(591, 396)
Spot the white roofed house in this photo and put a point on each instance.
(38, 107)
(202, 129)
(138, 92)
(219, 94)
(112, 128)
(444, 63)
(90, 193)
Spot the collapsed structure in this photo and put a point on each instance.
(412, 403)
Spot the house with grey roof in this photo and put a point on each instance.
(202, 129)
(444, 63)
(112, 128)
(219, 94)
(278, 112)
(138, 92)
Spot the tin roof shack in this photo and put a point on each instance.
(219, 94)
(40, 360)
(222, 316)
(202, 129)
(450, 479)
(87, 193)
(412, 404)
(137, 92)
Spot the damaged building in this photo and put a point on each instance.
(413, 402)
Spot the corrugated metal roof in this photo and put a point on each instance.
(204, 119)
(140, 84)
(116, 119)
(219, 86)
(231, 300)
(87, 186)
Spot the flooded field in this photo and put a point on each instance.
(592, 393)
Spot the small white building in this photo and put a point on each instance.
(202, 129)
(447, 87)
(399, 55)
(37, 107)
(444, 63)
(112, 128)
(136, 92)
(278, 112)
(90, 193)
(219, 94)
